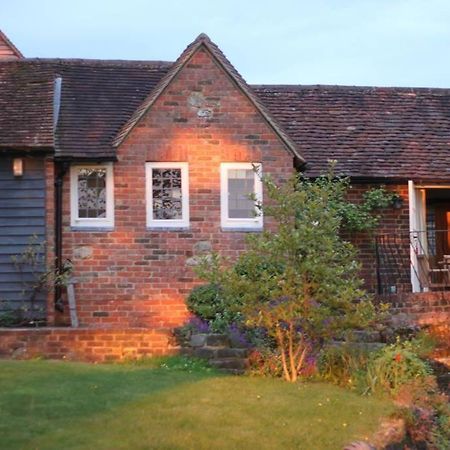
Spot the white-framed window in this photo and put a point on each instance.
(92, 196)
(238, 181)
(167, 191)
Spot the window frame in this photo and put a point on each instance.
(167, 223)
(92, 222)
(244, 224)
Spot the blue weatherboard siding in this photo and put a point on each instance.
(22, 222)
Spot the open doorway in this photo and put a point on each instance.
(438, 220)
(430, 236)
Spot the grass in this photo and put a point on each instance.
(173, 405)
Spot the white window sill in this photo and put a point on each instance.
(242, 229)
(98, 229)
(156, 229)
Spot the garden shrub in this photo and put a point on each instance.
(208, 303)
(300, 282)
(265, 362)
(394, 366)
(10, 318)
(205, 301)
(426, 412)
(343, 364)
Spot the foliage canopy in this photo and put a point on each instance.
(298, 278)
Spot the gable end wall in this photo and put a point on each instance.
(139, 278)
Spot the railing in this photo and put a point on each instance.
(421, 255)
(431, 258)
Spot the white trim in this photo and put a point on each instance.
(86, 222)
(255, 223)
(167, 223)
(417, 229)
(432, 186)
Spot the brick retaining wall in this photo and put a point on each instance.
(84, 344)
(115, 344)
(425, 308)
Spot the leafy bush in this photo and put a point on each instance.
(382, 371)
(265, 362)
(394, 366)
(300, 282)
(10, 318)
(205, 301)
(343, 364)
(423, 344)
(208, 303)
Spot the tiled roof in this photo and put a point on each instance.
(26, 106)
(97, 98)
(204, 41)
(391, 133)
(371, 132)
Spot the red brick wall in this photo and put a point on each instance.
(394, 227)
(140, 278)
(87, 344)
(424, 308)
(6, 51)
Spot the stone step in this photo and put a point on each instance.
(209, 340)
(219, 352)
(365, 336)
(229, 363)
(233, 352)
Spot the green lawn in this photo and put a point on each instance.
(61, 405)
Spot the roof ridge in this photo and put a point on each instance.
(88, 61)
(347, 87)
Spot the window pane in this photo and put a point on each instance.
(92, 193)
(167, 196)
(240, 187)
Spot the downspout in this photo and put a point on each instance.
(61, 170)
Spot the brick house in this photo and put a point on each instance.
(132, 169)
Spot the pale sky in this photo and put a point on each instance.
(350, 42)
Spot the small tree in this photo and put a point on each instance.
(300, 282)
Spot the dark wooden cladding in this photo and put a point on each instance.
(22, 221)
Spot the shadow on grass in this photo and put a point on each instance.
(37, 397)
